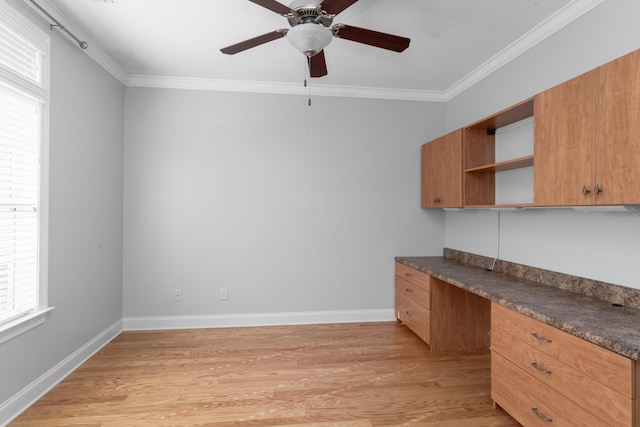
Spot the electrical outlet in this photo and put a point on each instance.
(223, 293)
(177, 295)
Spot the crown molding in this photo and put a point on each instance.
(221, 85)
(569, 13)
(93, 50)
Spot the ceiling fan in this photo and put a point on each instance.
(311, 31)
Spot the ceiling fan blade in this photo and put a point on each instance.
(256, 41)
(318, 65)
(273, 5)
(370, 37)
(334, 7)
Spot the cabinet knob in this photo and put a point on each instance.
(585, 191)
(597, 190)
(542, 416)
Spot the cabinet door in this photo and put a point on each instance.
(564, 135)
(442, 172)
(618, 131)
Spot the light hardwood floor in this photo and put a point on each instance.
(343, 375)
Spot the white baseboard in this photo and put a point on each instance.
(34, 391)
(257, 319)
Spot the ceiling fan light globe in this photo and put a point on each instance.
(309, 38)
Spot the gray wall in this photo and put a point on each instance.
(85, 224)
(602, 246)
(292, 208)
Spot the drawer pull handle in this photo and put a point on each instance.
(540, 338)
(542, 416)
(540, 368)
(408, 290)
(408, 313)
(408, 274)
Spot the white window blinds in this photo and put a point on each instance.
(22, 96)
(19, 141)
(19, 55)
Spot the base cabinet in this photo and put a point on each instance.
(413, 300)
(543, 376)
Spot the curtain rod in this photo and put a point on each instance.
(83, 44)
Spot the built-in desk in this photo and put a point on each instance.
(595, 320)
(558, 356)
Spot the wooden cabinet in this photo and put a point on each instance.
(442, 172)
(617, 141)
(413, 300)
(540, 373)
(564, 133)
(587, 148)
(446, 317)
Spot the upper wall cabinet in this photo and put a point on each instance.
(564, 134)
(587, 144)
(618, 132)
(442, 172)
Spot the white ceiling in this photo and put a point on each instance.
(452, 41)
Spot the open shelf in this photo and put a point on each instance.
(506, 117)
(507, 165)
(497, 184)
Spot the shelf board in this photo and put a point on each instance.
(506, 117)
(520, 162)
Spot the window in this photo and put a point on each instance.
(23, 98)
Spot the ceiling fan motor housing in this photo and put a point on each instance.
(307, 14)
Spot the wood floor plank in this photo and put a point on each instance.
(342, 375)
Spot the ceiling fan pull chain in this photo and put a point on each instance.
(305, 74)
(308, 67)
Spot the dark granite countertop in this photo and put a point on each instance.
(598, 321)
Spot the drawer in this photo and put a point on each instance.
(415, 316)
(588, 393)
(414, 276)
(414, 292)
(531, 402)
(609, 368)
